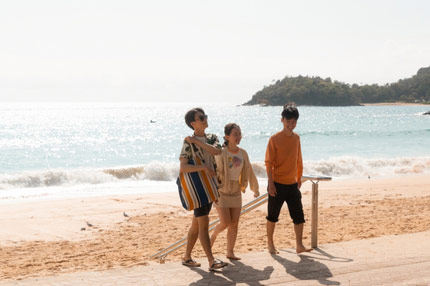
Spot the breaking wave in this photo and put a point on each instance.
(157, 171)
(345, 166)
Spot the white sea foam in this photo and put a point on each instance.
(352, 166)
(58, 177)
(344, 166)
(154, 171)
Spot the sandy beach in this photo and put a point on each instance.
(51, 237)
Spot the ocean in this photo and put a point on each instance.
(63, 150)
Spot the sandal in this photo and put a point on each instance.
(218, 264)
(190, 263)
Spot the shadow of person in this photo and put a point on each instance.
(307, 269)
(319, 251)
(210, 278)
(322, 255)
(235, 273)
(245, 274)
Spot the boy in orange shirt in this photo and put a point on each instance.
(284, 169)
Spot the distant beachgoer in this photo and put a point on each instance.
(234, 174)
(205, 146)
(284, 169)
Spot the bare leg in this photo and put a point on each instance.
(298, 229)
(232, 232)
(193, 234)
(224, 221)
(270, 227)
(203, 222)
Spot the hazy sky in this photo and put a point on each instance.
(205, 51)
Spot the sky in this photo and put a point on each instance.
(203, 51)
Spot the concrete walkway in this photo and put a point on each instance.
(388, 260)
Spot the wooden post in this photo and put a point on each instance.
(314, 222)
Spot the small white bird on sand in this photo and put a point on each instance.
(124, 214)
(90, 225)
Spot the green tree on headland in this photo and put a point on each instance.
(304, 90)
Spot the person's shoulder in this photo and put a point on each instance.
(185, 142)
(186, 150)
(277, 135)
(243, 151)
(296, 135)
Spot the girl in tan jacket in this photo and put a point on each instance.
(234, 173)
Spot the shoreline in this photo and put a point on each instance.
(45, 238)
(394, 104)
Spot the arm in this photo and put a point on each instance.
(220, 170)
(207, 147)
(299, 167)
(188, 168)
(269, 161)
(253, 182)
(270, 184)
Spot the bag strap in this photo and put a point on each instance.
(192, 150)
(193, 154)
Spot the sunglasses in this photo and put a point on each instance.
(203, 117)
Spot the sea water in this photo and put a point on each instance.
(60, 150)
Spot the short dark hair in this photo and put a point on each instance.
(191, 114)
(290, 111)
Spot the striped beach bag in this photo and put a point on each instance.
(196, 189)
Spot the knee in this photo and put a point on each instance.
(203, 226)
(298, 217)
(234, 224)
(272, 219)
(194, 229)
(224, 224)
(193, 232)
(298, 221)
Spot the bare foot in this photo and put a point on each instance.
(233, 257)
(272, 250)
(301, 249)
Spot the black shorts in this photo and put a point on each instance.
(202, 211)
(292, 196)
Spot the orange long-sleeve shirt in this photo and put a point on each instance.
(284, 157)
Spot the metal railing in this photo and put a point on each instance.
(161, 255)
